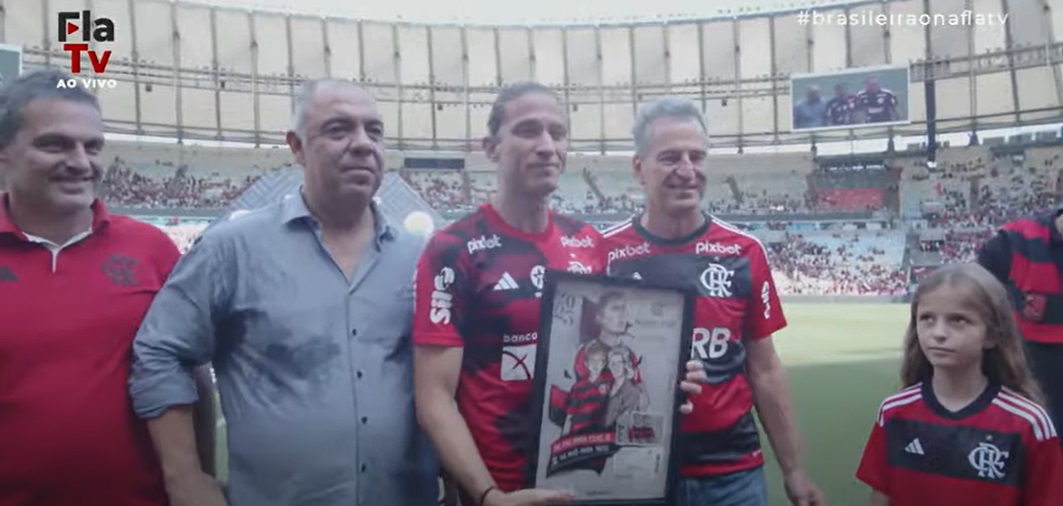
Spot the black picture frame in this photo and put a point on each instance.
(543, 390)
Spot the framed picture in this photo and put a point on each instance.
(606, 398)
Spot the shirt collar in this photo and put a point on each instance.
(100, 217)
(294, 209)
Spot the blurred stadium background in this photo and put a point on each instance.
(203, 97)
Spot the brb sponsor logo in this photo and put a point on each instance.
(722, 356)
(629, 251)
(572, 242)
(92, 30)
(484, 243)
(442, 301)
(715, 248)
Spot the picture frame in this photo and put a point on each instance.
(605, 393)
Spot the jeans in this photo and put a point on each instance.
(743, 488)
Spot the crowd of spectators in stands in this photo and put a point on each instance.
(993, 191)
(167, 187)
(804, 267)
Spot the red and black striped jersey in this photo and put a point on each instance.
(1001, 450)
(736, 302)
(478, 285)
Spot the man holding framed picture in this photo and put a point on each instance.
(736, 312)
(477, 292)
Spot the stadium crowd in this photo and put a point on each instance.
(972, 196)
(165, 186)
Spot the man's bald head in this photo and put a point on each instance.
(310, 90)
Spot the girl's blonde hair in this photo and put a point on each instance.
(1003, 362)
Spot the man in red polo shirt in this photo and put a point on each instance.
(75, 282)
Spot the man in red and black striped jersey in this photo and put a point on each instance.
(476, 305)
(841, 107)
(1026, 256)
(736, 312)
(1000, 449)
(875, 104)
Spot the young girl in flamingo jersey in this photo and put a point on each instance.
(968, 427)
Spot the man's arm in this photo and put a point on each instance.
(995, 256)
(771, 395)
(204, 420)
(436, 372)
(176, 337)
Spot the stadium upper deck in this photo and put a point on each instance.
(192, 71)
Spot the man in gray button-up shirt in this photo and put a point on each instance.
(304, 309)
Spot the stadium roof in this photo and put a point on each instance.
(527, 12)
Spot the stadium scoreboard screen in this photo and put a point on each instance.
(852, 98)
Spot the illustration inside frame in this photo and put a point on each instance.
(606, 427)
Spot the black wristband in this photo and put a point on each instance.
(483, 496)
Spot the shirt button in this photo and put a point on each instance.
(359, 374)
(365, 419)
(363, 468)
(354, 332)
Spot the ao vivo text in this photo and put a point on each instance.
(99, 30)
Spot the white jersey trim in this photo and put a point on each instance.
(616, 229)
(904, 397)
(1041, 421)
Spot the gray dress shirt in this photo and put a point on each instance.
(314, 371)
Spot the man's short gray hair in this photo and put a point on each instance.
(16, 94)
(666, 107)
(305, 95)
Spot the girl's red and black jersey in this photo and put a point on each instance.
(736, 302)
(1026, 255)
(1001, 450)
(478, 284)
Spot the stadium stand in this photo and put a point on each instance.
(801, 210)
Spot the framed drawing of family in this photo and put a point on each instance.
(605, 399)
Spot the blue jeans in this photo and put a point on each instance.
(743, 488)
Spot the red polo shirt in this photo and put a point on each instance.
(68, 435)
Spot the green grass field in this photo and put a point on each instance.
(842, 360)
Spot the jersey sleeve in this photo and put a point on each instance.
(440, 293)
(765, 315)
(872, 469)
(1042, 485)
(995, 256)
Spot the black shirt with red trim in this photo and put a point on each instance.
(736, 303)
(1001, 450)
(68, 434)
(478, 285)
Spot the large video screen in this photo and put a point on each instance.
(853, 98)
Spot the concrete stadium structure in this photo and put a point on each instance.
(215, 73)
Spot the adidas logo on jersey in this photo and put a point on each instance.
(506, 282)
(629, 251)
(715, 248)
(484, 243)
(572, 242)
(915, 447)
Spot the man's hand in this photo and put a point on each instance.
(801, 491)
(198, 489)
(528, 497)
(691, 383)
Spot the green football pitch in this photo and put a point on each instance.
(842, 360)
